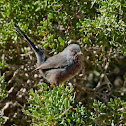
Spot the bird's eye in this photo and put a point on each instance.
(72, 51)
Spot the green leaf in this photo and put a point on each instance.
(62, 42)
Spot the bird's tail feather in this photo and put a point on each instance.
(40, 55)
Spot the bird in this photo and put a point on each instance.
(60, 67)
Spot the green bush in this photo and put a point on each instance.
(98, 26)
(111, 114)
(57, 107)
(90, 22)
(3, 86)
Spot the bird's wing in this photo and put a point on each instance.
(56, 61)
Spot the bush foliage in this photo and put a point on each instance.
(3, 86)
(58, 107)
(98, 26)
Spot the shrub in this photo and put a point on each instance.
(3, 86)
(57, 107)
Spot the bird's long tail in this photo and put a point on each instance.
(40, 55)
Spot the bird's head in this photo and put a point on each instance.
(73, 50)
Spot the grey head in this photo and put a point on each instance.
(72, 50)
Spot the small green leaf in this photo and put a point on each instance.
(62, 42)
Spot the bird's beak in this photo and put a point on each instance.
(80, 53)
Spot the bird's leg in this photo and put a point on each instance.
(53, 85)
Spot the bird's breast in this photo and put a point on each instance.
(73, 68)
(60, 75)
